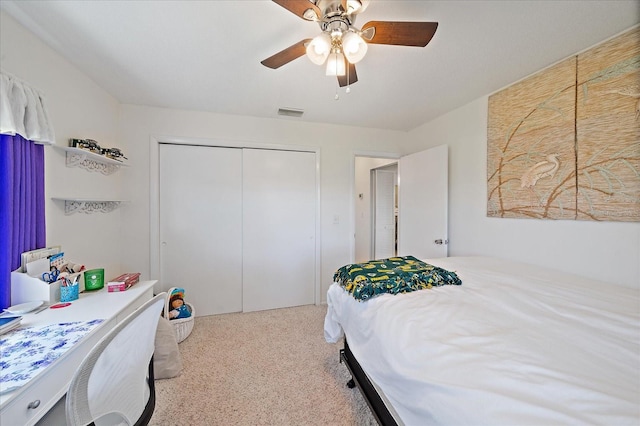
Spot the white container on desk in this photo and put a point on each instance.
(25, 288)
(28, 289)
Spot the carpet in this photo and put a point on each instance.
(260, 368)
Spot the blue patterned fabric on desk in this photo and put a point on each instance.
(26, 352)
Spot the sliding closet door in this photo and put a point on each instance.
(201, 225)
(279, 225)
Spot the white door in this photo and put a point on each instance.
(423, 201)
(279, 219)
(201, 225)
(384, 241)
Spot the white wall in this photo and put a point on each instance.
(608, 251)
(337, 146)
(78, 109)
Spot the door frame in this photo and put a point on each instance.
(352, 205)
(154, 194)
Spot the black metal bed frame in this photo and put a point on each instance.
(360, 379)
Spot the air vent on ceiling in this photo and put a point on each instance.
(290, 112)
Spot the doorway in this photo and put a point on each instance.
(422, 204)
(365, 203)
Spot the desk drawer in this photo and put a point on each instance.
(17, 412)
(50, 385)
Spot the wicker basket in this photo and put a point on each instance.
(182, 326)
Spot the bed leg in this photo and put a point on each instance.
(351, 384)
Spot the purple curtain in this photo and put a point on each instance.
(22, 221)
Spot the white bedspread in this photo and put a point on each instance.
(513, 345)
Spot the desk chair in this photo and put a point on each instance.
(114, 383)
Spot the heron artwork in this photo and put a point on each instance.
(549, 167)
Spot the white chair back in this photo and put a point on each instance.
(112, 385)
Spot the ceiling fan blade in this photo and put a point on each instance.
(349, 77)
(287, 55)
(299, 7)
(400, 33)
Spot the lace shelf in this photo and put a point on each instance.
(77, 157)
(83, 205)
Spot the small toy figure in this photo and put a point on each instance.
(177, 305)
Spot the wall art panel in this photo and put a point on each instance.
(565, 142)
(531, 146)
(608, 130)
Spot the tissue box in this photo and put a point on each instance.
(123, 282)
(116, 286)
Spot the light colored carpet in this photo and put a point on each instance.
(260, 368)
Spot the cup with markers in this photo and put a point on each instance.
(69, 290)
(69, 282)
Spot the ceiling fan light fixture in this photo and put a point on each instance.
(354, 47)
(319, 48)
(342, 43)
(335, 64)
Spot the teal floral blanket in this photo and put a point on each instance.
(394, 275)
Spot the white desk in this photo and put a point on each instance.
(52, 383)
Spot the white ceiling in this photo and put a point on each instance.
(205, 55)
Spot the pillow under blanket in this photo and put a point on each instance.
(393, 275)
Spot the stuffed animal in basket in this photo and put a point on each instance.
(177, 307)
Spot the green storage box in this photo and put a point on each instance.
(93, 279)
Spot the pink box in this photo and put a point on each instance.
(123, 282)
(116, 286)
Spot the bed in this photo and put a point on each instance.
(513, 344)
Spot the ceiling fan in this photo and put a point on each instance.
(340, 44)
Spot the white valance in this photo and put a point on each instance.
(22, 111)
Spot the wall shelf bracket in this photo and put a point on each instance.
(72, 206)
(91, 161)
